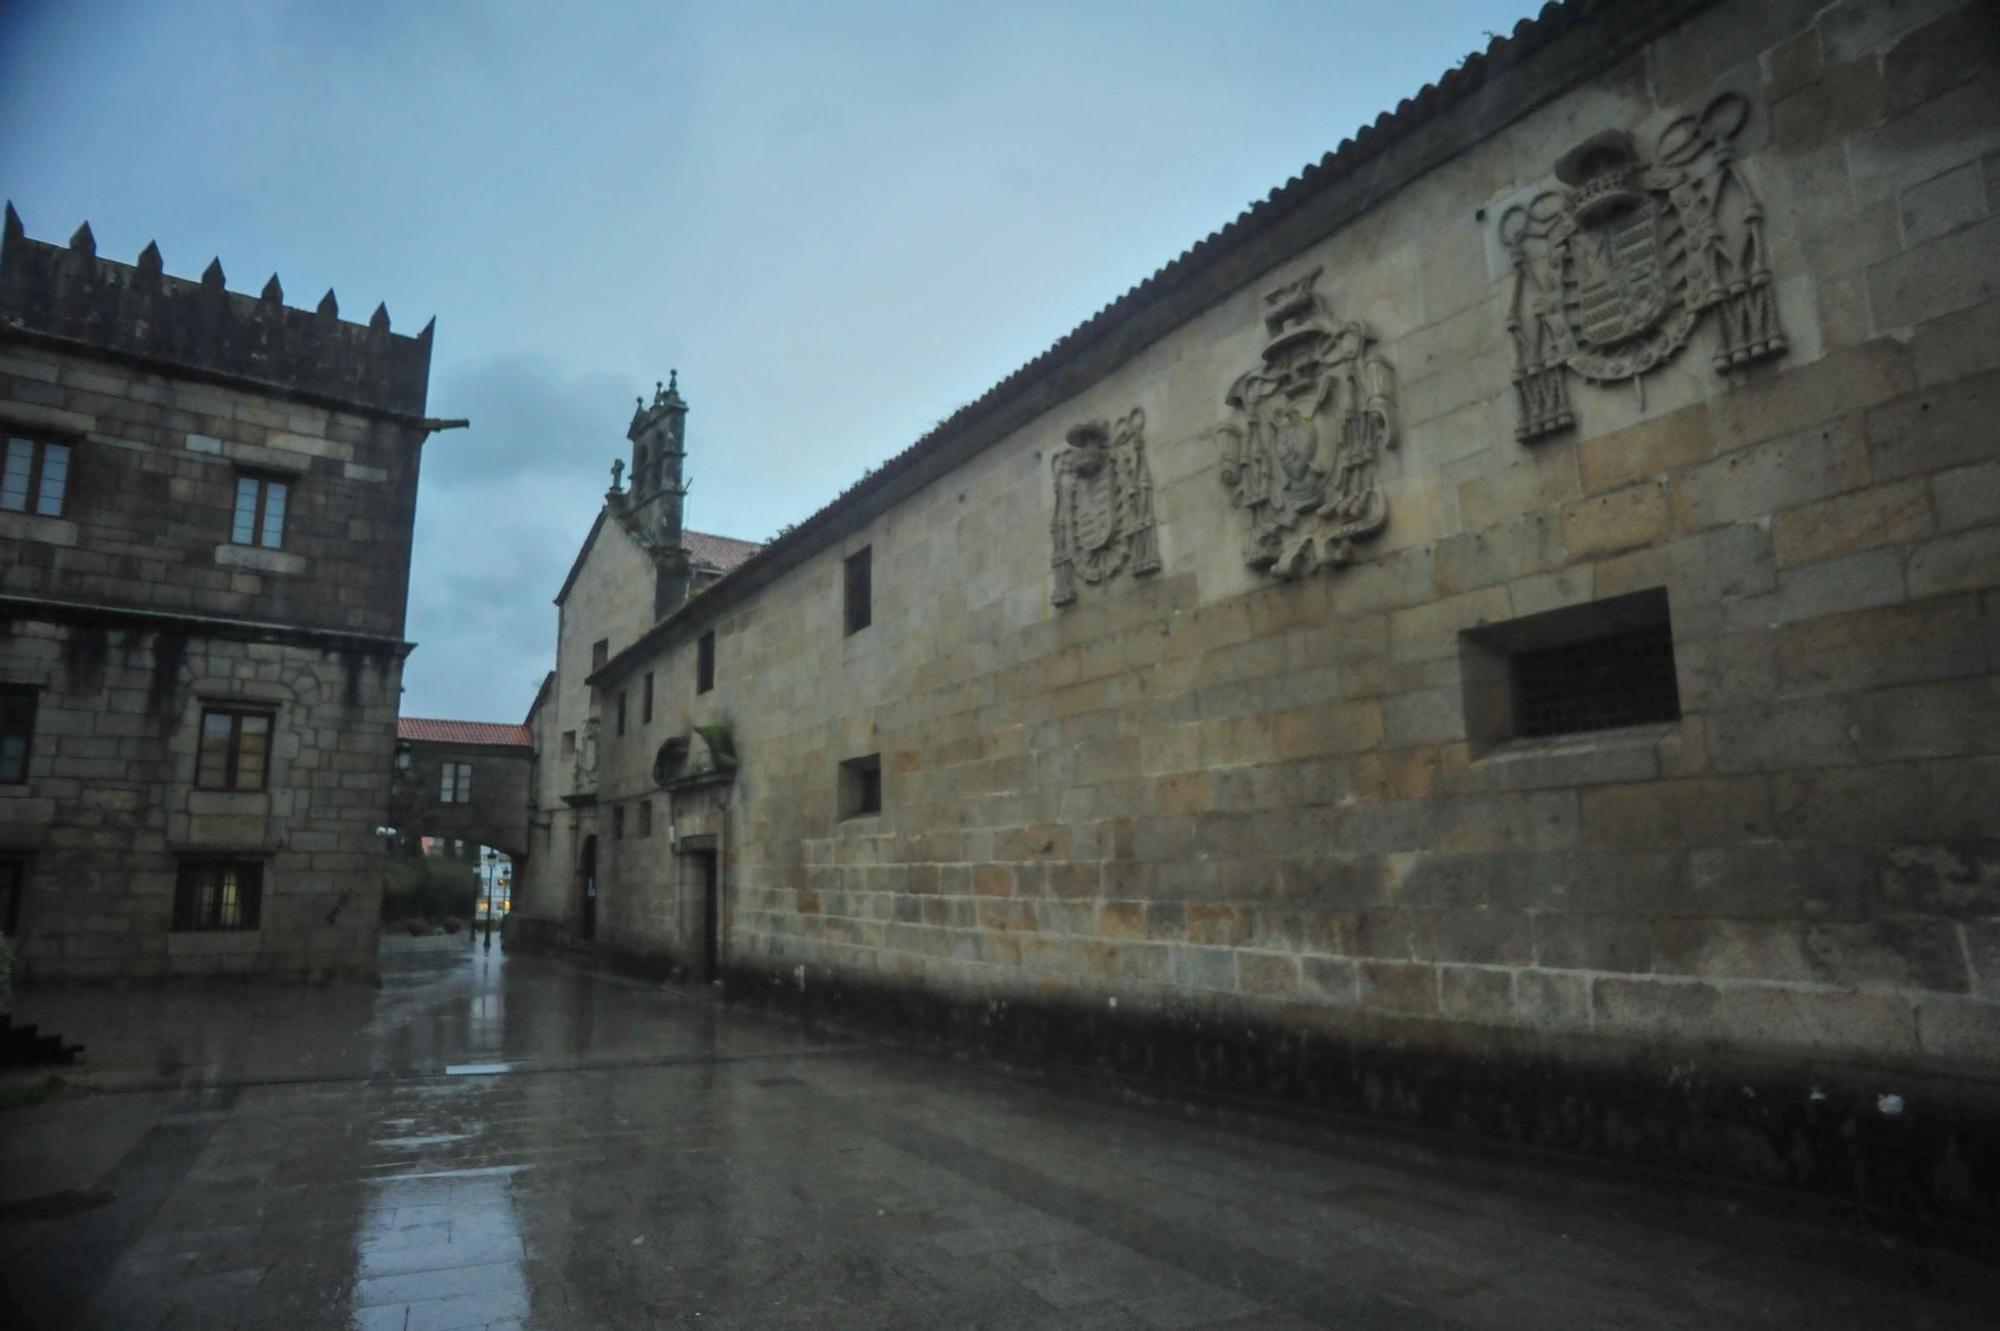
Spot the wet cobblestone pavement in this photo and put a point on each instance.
(519, 1143)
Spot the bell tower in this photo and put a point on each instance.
(652, 510)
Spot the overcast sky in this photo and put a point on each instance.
(838, 221)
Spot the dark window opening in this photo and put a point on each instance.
(1598, 666)
(621, 713)
(260, 511)
(861, 786)
(235, 749)
(600, 652)
(218, 896)
(646, 700)
(645, 818)
(618, 823)
(860, 584)
(17, 732)
(13, 886)
(35, 478)
(569, 744)
(704, 663)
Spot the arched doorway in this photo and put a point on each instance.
(586, 886)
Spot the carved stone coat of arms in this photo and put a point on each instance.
(1302, 455)
(1104, 505)
(1612, 274)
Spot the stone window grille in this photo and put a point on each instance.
(218, 896)
(861, 786)
(35, 478)
(235, 749)
(1603, 665)
(646, 700)
(17, 732)
(618, 822)
(600, 652)
(456, 785)
(704, 663)
(645, 818)
(260, 510)
(860, 589)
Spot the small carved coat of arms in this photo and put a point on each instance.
(1612, 274)
(1104, 505)
(1303, 453)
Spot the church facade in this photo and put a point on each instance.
(1505, 636)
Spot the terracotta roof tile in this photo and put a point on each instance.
(720, 552)
(422, 729)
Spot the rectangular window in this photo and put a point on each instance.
(260, 511)
(861, 786)
(235, 749)
(569, 744)
(218, 896)
(456, 786)
(646, 700)
(860, 584)
(36, 477)
(600, 652)
(618, 822)
(704, 663)
(1602, 665)
(645, 818)
(621, 712)
(13, 886)
(17, 731)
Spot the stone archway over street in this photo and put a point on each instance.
(468, 780)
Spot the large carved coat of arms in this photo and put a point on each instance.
(1302, 453)
(1104, 505)
(1612, 274)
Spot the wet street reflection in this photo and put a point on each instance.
(504, 1143)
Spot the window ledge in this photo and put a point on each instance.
(230, 555)
(37, 527)
(1596, 757)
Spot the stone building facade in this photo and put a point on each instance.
(204, 559)
(1505, 636)
(470, 781)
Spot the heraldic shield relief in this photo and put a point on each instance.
(1612, 274)
(1104, 505)
(1302, 455)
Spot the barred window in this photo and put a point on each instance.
(17, 731)
(456, 785)
(260, 511)
(235, 749)
(218, 896)
(1618, 679)
(36, 477)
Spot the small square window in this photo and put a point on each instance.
(646, 700)
(1600, 666)
(222, 896)
(260, 511)
(17, 732)
(861, 786)
(456, 786)
(860, 589)
(600, 652)
(235, 749)
(704, 663)
(35, 478)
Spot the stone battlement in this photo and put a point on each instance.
(70, 294)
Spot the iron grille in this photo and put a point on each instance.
(218, 895)
(1622, 679)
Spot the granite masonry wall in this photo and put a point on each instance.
(132, 609)
(1275, 834)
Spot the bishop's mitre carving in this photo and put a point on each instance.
(1612, 274)
(1302, 453)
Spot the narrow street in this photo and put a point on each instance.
(519, 1143)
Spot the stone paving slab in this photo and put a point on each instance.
(638, 1159)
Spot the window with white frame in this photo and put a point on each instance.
(36, 477)
(456, 787)
(260, 511)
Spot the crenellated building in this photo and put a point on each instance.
(205, 531)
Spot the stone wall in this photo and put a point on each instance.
(496, 814)
(1263, 832)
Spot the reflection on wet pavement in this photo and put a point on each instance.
(504, 1143)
